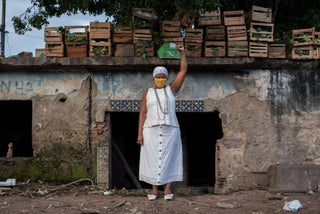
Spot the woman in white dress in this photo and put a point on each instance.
(159, 132)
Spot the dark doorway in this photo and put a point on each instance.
(199, 133)
(15, 128)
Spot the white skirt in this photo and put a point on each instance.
(161, 155)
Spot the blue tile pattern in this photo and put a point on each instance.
(134, 105)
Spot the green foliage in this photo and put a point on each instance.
(215, 50)
(100, 50)
(71, 37)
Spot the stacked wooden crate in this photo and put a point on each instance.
(260, 31)
(143, 18)
(170, 32)
(123, 41)
(100, 39)
(214, 39)
(76, 41)
(143, 43)
(303, 47)
(237, 41)
(54, 42)
(193, 42)
(316, 44)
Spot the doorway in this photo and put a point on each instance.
(199, 133)
(16, 128)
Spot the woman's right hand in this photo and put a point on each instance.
(140, 140)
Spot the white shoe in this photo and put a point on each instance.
(168, 197)
(152, 197)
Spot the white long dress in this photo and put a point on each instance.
(161, 154)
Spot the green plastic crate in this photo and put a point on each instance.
(168, 51)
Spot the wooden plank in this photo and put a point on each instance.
(105, 25)
(196, 34)
(122, 39)
(76, 51)
(178, 40)
(124, 50)
(215, 49)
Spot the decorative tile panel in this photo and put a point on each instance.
(134, 105)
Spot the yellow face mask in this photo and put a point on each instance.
(160, 82)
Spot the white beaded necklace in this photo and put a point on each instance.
(165, 109)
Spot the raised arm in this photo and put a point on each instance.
(142, 117)
(176, 84)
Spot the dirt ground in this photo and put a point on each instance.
(86, 198)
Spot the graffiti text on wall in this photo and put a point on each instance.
(18, 87)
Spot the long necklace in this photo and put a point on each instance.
(165, 109)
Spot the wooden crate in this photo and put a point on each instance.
(139, 47)
(52, 34)
(215, 49)
(210, 18)
(262, 32)
(303, 37)
(100, 30)
(77, 50)
(102, 48)
(237, 33)
(54, 49)
(259, 14)
(316, 38)
(170, 29)
(258, 49)
(316, 52)
(193, 49)
(78, 33)
(233, 18)
(122, 35)
(124, 50)
(142, 35)
(194, 35)
(302, 52)
(215, 33)
(237, 48)
(147, 15)
(277, 51)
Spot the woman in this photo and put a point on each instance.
(159, 132)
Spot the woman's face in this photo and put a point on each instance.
(160, 80)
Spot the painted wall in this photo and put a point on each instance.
(268, 116)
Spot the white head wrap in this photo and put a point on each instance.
(160, 70)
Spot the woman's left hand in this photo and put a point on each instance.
(180, 48)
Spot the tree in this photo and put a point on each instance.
(37, 15)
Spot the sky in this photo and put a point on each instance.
(34, 39)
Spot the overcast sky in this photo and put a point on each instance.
(31, 40)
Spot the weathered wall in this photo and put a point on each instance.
(268, 116)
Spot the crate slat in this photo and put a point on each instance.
(233, 18)
(277, 51)
(178, 40)
(215, 49)
(258, 49)
(54, 49)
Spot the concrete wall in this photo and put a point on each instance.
(269, 116)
